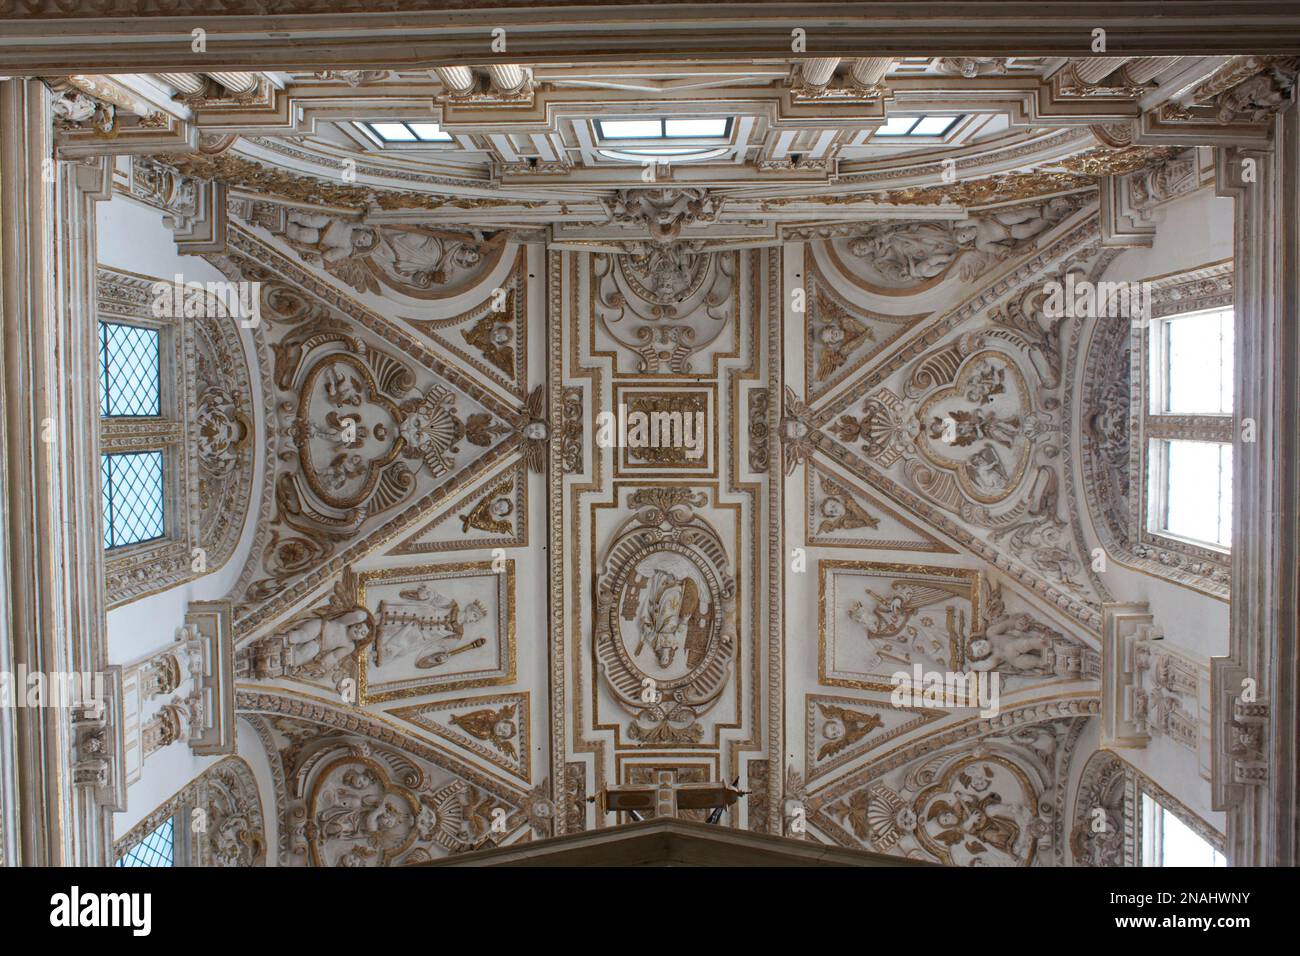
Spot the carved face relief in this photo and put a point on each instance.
(976, 427)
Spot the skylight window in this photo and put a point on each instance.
(917, 126)
(399, 132)
(661, 128)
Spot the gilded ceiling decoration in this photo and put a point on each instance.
(475, 592)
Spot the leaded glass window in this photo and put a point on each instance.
(156, 849)
(130, 376)
(132, 487)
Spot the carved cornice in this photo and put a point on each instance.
(252, 176)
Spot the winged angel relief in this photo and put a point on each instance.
(320, 643)
(414, 260)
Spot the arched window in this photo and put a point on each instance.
(1157, 431)
(216, 820)
(175, 424)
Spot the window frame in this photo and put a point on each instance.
(1150, 839)
(179, 818)
(165, 400)
(663, 139)
(126, 298)
(165, 503)
(164, 432)
(1159, 427)
(910, 136)
(365, 128)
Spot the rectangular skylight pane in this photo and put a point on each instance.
(631, 129)
(429, 132)
(1198, 491)
(1198, 353)
(897, 126)
(695, 127)
(393, 132)
(933, 125)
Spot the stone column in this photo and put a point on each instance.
(236, 82)
(60, 762)
(1147, 68)
(1097, 68)
(869, 71)
(817, 72)
(458, 80)
(1254, 688)
(185, 82)
(507, 78)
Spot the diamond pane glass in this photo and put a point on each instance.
(129, 378)
(157, 849)
(133, 498)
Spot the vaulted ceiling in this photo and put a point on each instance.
(459, 594)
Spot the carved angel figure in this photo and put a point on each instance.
(328, 239)
(319, 643)
(1015, 644)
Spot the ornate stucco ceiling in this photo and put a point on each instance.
(459, 600)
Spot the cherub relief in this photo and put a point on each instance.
(840, 511)
(320, 642)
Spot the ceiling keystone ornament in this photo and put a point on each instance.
(665, 629)
(664, 211)
(666, 304)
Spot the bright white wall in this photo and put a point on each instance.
(132, 237)
(1193, 231)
